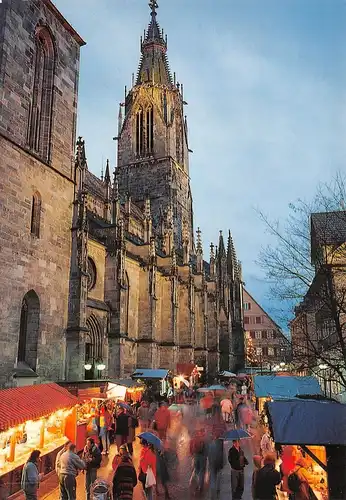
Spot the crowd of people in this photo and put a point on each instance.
(207, 420)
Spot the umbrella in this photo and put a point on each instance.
(236, 434)
(125, 406)
(217, 388)
(175, 407)
(150, 438)
(227, 374)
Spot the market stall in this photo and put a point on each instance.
(277, 387)
(156, 380)
(32, 417)
(315, 429)
(125, 390)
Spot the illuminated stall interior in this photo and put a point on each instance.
(32, 417)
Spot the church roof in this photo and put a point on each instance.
(153, 65)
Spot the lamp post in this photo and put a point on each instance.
(323, 367)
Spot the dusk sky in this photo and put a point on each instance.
(265, 82)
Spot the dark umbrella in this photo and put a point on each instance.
(150, 438)
(235, 434)
(125, 406)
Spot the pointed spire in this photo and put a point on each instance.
(153, 66)
(212, 261)
(174, 260)
(240, 271)
(186, 242)
(115, 199)
(222, 251)
(199, 251)
(231, 257)
(107, 178)
(147, 221)
(120, 119)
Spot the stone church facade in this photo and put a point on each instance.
(102, 271)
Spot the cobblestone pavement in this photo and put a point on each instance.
(179, 485)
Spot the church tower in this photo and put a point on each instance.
(153, 152)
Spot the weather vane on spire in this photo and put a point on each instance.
(153, 5)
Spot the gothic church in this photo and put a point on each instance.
(100, 276)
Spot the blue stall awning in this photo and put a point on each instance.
(285, 387)
(308, 422)
(147, 373)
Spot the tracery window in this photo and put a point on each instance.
(36, 214)
(29, 330)
(144, 131)
(91, 274)
(41, 106)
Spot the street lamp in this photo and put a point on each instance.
(323, 367)
(282, 364)
(100, 365)
(88, 366)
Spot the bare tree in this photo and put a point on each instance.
(306, 267)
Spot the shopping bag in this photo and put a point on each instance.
(150, 480)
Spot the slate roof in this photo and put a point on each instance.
(327, 228)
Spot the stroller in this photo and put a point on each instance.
(101, 490)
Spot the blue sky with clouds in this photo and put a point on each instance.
(266, 85)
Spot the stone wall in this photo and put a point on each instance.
(97, 253)
(29, 263)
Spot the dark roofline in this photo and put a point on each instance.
(64, 22)
(265, 312)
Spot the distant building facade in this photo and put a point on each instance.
(102, 275)
(265, 344)
(318, 329)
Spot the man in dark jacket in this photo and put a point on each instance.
(92, 458)
(267, 479)
(237, 461)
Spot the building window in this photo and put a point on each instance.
(252, 334)
(258, 335)
(36, 215)
(29, 330)
(271, 351)
(91, 274)
(150, 129)
(259, 351)
(270, 335)
(246, 320)
(139, 133)
(41, 106)
(247, 306)
(258, 320)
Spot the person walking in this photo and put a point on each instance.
(30, 481)
(132, 424)
(125, 478)
(216, 464)
(147, 460)
(151, 412)
(238, 462)
(92, 458)
(198, 450)
(257, 464)
(162, 472)
(267, 478)
(70, 464)
(105, 428)
(162, 419)
(226, 409)
(267, 444)
(122, 423)
(143, 416)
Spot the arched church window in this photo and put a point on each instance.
(139, 133)
(91, 274)
(41, 107)
(36, 214)
(29, 330)
(93, 348)
(150, 129)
